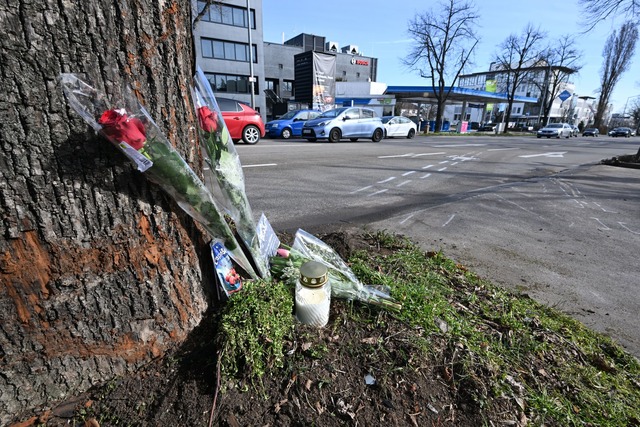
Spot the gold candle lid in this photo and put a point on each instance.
(313, 274)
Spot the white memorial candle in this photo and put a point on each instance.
(313, 294)
(312, 306)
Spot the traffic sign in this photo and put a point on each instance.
(564, 95)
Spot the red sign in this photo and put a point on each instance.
(355, 61)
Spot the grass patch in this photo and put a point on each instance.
(489, 345)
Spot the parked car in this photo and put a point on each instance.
(399, 126)
(621, 131)
(522, 127)
(487, 127)
(575, 131)
(290, 124)
(345, 122)
(555, 130)
(244, 123)
(590, 132)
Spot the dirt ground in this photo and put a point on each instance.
(335, 376)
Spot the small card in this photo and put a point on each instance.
(228, 279)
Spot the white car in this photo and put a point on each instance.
(399, 126)
(555, 130)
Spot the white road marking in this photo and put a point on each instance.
(425, 176)
(391, 178)
(443, 162)
(361, 189)
(503, 149)
(428, 154)
(378, 192)
(449, 220)
(427, 167)
(442, 169)
(604, 227)
(260, 165)
(623, 225)
(408, 173)
(463, 158)
(554, 154)
(403, 183)
(407, 218)
(603, 209)
(397, 155)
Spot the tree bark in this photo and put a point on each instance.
(100, 272)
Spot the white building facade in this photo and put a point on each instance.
(573, 109)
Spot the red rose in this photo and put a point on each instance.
(122, 128)
(208, 119)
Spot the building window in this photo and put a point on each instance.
(280, 66)
(231, 51)
(230, 83)
(270, 85)
(286, 90)
(229, 15)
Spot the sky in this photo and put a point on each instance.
(379, 29)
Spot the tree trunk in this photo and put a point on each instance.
(100, 272)
(439, 114)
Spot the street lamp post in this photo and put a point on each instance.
(624, 112)
(252, 77)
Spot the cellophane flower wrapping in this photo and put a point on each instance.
(344, 283)
(128, 126)
(225, 169)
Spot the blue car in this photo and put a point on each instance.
(346, 122)
(290, 124)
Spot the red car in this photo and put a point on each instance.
(244, 123)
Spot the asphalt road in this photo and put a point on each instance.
(537, 216)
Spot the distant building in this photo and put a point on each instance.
(572, 110)
(228, 35)
(222, 51)
(224, 45)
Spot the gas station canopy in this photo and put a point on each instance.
(458, 94)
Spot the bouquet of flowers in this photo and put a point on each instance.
(226, 170)
(130, 128)
(344, 283)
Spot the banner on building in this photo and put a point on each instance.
(324, 82)
(315, 79)
(490, 86)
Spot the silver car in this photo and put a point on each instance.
(345, 122)
(555, 130)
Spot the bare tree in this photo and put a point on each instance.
(559, 62)
(598, 10)
(617, 54)
(444, 42)
(100, 272)
(517, 55)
